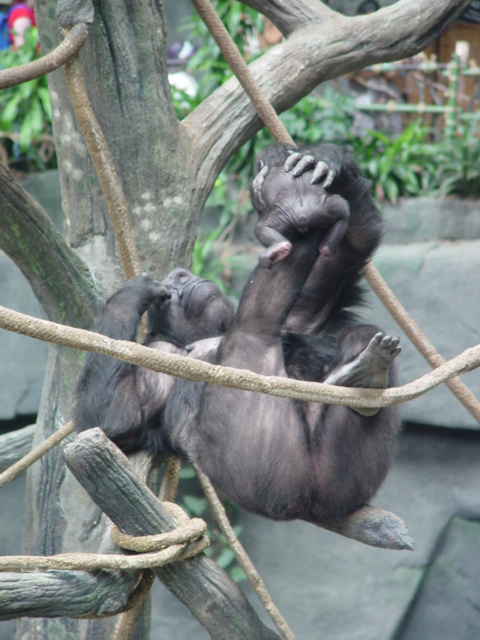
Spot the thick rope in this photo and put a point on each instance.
(99, 561)
(186, 541)
(67, 49)
(170, 479)
(243, 379)
(280, 134)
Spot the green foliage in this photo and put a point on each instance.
(25, 111)
(415, 164)
(398, 166)
(208, 64)
(457, 157)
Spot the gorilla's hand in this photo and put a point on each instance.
(141, 291)
(326, 160)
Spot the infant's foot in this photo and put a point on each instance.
(274, 254)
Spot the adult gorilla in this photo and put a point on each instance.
(278, 457)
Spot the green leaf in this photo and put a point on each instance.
(237, 574)
(9, 112)
(195, 506)
(225, 558)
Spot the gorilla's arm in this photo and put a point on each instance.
(126, 401)
(106, 393)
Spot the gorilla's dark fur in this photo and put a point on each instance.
(277, 457)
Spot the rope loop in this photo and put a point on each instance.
(186, 540)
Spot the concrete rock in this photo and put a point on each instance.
(437, 282)
(23, 360)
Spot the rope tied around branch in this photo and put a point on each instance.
(187, 540)
(188, 531)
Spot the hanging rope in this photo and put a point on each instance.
(242, 72)
(242, 557)
(67, 49)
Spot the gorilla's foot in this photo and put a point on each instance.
(369, 369)
(375, 360)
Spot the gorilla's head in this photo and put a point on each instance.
(196, 309)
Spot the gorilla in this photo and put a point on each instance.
(277, 457)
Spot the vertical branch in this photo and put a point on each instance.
(103, 163)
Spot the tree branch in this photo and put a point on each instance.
(212, 597)
(291, 70)
(70, 594)
(292, 15)
(14, 445)
(59, 278)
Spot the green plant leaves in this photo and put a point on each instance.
(25, 110)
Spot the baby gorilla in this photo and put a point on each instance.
(293, 202)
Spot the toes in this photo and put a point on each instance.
(396, 352)
(258, 183)
(260, 177)
(390, 344)
(377, 338)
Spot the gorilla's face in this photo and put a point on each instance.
(197, 309)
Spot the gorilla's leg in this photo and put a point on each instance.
(370, 367)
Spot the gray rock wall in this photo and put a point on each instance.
(430, 258)
(23, 360)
